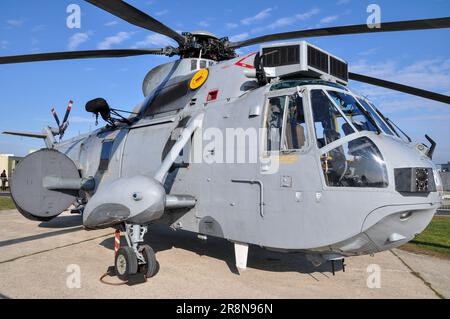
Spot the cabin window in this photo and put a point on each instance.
(202, 64)
(105, 154)
(285, 123)
(193, 65)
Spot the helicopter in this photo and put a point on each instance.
(314, 167)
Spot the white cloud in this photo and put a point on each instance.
(76, 40)
(308, 14)
(204, 24)
(329, 19)
(368, 52)
(231, 25)
(161, 13)
(4, 44)
(239, 37)
(281, 22)
(15, 23)
(286, 21)
(38, 28)
(437, 117)
(154, 39)
(111, 23)
(81, 119)
(108, 42)
(258, 17)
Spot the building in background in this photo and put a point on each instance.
(445, 176)
(8, 162)
(444, 167)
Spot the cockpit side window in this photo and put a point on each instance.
(105, 154)
(274, 122)
(330, 125)
(285, 124)
(296, 130)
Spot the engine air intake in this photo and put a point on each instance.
(302, 59)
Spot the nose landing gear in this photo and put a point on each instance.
(136, 261)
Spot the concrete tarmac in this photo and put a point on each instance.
(42, 260)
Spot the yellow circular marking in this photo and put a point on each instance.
(199, 79)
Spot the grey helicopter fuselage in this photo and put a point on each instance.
(295, 208)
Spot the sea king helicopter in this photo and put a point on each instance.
(333, 177)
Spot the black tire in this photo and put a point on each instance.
(151, 266)
(125, 263)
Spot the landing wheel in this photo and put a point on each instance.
(126, 263)
(150, 268)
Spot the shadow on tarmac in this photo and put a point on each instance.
(65, 224)
(162, 238)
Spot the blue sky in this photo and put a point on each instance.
(29, 91)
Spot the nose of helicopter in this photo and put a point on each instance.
(417, 186)
(410, 202)
(388, 227)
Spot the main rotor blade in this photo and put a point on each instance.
(400, 87)
(77, 55)
(134, 16)
(352, 29)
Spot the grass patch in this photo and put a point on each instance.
(435, 240)
(6, 203)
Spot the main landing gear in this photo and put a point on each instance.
(136, 258)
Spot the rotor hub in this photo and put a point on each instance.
(206, 45)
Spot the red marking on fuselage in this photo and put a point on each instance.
(244, 65)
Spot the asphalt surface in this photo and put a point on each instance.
(43, 260)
